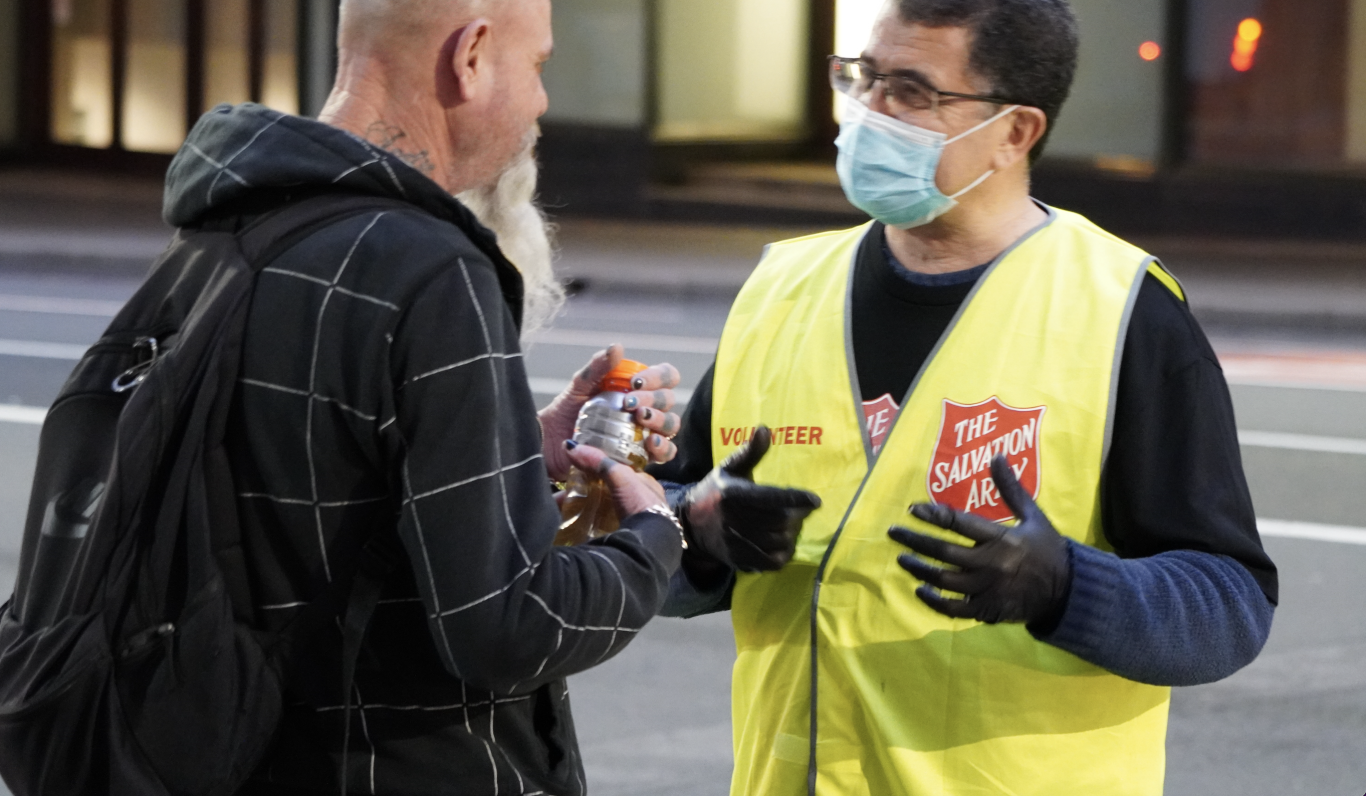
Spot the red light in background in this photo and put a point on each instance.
(1245, 44)
(1150, 51)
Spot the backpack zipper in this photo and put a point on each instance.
(135, 375)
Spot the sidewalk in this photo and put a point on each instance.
(110, 226)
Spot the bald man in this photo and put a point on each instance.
(384, 396)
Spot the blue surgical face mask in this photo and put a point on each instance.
(887, 167)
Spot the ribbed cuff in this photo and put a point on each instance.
(1088, 617)
(675, 494)
(686, 600)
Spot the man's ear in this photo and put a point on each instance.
(467, 57)
(1028, 125)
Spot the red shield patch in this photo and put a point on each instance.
(880, 415)
(969, 438)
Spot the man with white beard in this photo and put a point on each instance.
(383, 395)
(508, 208)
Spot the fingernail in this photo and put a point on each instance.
(570, 444)
(647, 414)
(638, 383)
(630, 403)
(658, 441)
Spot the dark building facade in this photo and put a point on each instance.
(1185, 112)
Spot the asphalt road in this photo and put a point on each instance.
(655, 720)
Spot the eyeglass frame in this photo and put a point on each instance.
(836, 61)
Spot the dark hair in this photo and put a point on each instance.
(1026, 49)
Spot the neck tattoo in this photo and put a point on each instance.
(391, 139)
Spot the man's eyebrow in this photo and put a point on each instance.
(914, 74)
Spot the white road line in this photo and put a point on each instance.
(41, 350)
(26, 415)
(541, 386)
(1285, 529)
(1302, 442)
(33, 415)
(1313, 531)
(590, 338)
(54, 305)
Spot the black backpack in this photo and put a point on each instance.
(128, 660)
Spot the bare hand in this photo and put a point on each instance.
(651, 403)
(632, 492)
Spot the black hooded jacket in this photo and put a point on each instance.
(383, 390)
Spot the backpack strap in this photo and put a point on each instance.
(263, 239)
(380, 557)
(275, 232)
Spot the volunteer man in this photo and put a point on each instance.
(981, 358)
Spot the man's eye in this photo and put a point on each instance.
(910, 93)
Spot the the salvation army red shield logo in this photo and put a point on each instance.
(969, 438)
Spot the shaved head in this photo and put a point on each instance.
(450, 86)
(368, 19)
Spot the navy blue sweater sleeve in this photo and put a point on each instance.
(1189, 594)
(1177, 618)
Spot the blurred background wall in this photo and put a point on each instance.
(1187, 115)
(600, 74)
(1116, 108)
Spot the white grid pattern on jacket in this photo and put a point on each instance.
(574, 630)
(494, 362)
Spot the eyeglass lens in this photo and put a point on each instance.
(857, 80)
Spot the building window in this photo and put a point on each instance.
(134, 74)
(280, 66)
(1269, 82)
(154, 114)
(732, 71)
(82, 80)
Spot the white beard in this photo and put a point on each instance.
(508, 207)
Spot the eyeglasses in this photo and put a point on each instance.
(904, 93)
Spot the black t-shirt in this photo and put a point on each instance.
(1174, 479)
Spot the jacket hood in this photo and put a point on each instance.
(244, 152)
(248, 158)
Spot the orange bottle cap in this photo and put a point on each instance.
(619, 378)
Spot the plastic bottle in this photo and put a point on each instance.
(588, 510)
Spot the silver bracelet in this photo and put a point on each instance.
(664, 511)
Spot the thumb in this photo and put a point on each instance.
(741, 464)
(589, 459)
(588, 378)
(1014, 494)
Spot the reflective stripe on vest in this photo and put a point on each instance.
(908, 702)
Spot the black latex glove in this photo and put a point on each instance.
(1011, 574)
(739, 523)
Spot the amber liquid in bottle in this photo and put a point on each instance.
(588, 510)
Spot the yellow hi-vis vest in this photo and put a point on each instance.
(908, 702)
